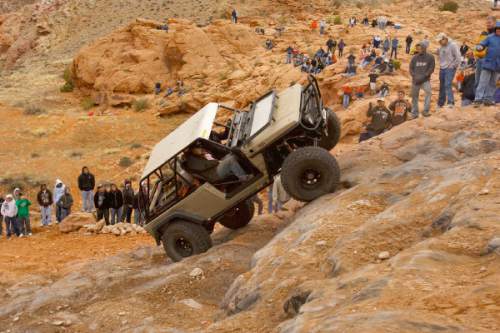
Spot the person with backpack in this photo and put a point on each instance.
(115, 204)
(23, 215)
(409, 41)
(9, 212)
(65, 203)
(45, 201)
(128, 201)
(422, 66)
(86, 184)
(468, 86)
(101, 203)
(490, 69)
(59, 190)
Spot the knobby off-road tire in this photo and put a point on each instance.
(239, 216)
(310, 172)
(182, 239)
(334, 129)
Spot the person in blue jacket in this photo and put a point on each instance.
(490, 69)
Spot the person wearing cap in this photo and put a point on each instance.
(449, 61)
(86, 184)
(101, 203)
(422, 66)
(490, 69)
(380, 120)
(9, 212)
(45, 201)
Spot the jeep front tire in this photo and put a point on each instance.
(310, 172)
(182, 239)
(330, 140)
(239, 216)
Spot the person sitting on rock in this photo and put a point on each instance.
(169, 92)
(269, 44)
(380, 120)
(468, 86)
(384, 90)
(400, 109)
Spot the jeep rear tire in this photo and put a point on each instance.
(182, 239)
(334, 127)
(239, 216)
(310, 172)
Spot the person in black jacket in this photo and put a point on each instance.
(137, 208)
(86, 184)
(45, 200)
(468, 88)
(115, 204)
(128, 201)
(101, 203)
(422, 66)
(409, 41)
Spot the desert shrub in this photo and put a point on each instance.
(32, 110)
(67, 87)
(337, 20)
(396, 63)
(336, 3)
(449, 6)
(75, 154)
(88, 103)
(35, 155)
(69, 84)
(125, 162)
(140, 105)
(359, 5)
(135, 145)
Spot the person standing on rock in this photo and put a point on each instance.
(9, 212)
(386, 45)
(137, 208)
(394, 47)
(23, 215)
(45, 200)
(449, 61)
(86, 184)
(65, 203)
(128, 201)
(341, 45)
(101, 203)
(422, 66)
(289, 54)
(234, 16)
(59, 191)
(279, 194)
(322, 27)
(490, 69)
(409, 41)
(115, 204)
(330, 44)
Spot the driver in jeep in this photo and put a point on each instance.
(200, 162)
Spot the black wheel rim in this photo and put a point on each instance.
(184, 247)
(310, 178)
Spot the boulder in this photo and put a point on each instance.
(75, 221)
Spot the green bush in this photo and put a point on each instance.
(125, 162)
(337, 20)
(396, 63)
(140, 105)
(449, 6)
(359, 5)
(67, 87)
(88, 103)
(32, 110)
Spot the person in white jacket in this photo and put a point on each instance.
(59, 191)
(9, 212)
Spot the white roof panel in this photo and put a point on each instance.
(196, 127)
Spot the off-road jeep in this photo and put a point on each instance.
(289, 133)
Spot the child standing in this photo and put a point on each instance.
(23, 215)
